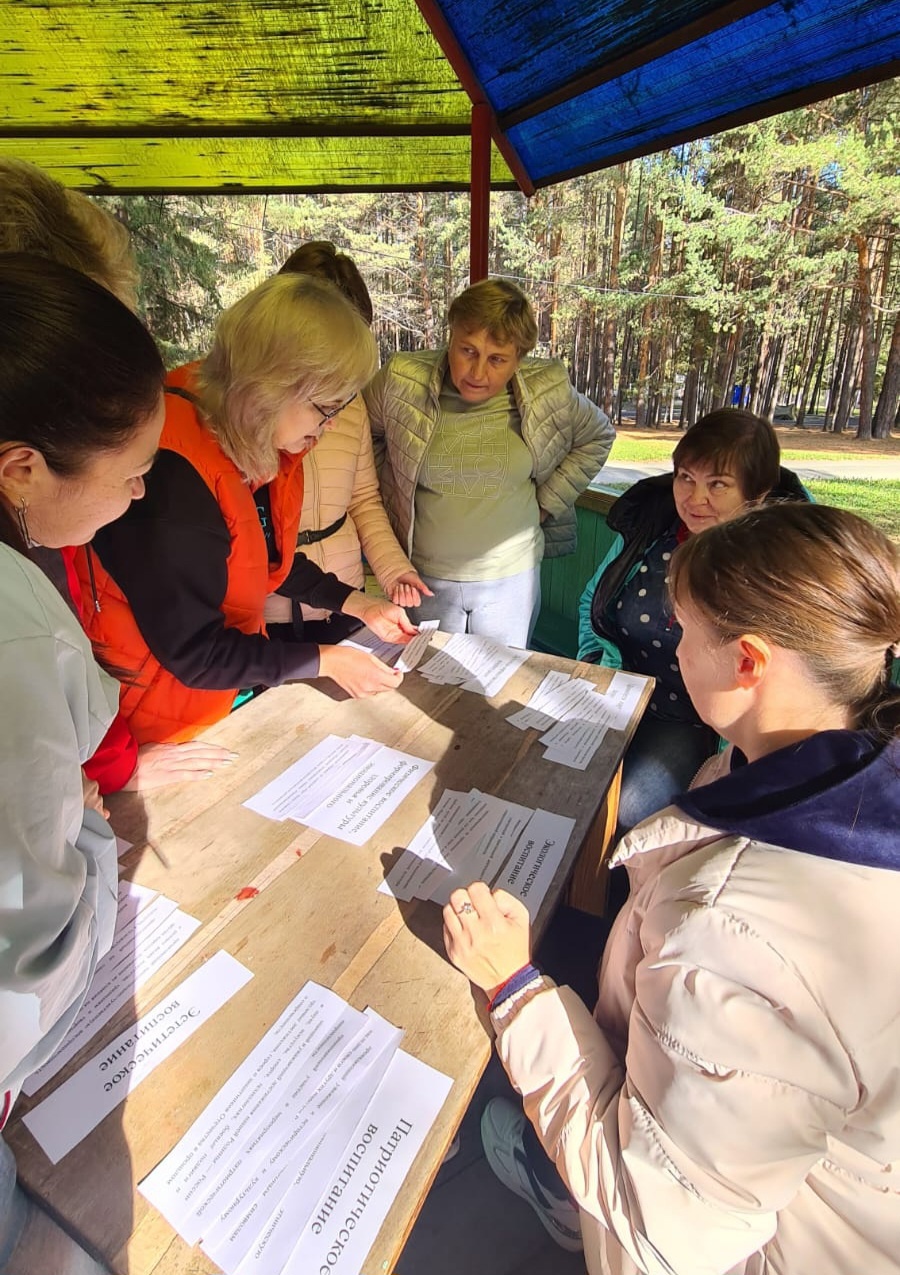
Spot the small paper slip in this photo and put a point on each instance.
(405, 658)
(573, 743)
(123, 846)
(366, 640)
(622, 696)
(467, 838)
(368, 1176)
(486, 858)
(143, 943)
(531, 719)
(411, 654)
(424, 848)
(538, 854)
(61, 1121)
(474, 663)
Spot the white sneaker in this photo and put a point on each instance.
(502, 1125)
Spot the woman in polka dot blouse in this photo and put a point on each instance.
(725, 464)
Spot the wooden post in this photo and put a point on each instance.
(480, 206)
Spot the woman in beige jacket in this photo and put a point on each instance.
(733, 1105)
(343, 517)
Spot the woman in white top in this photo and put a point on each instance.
(81, 412)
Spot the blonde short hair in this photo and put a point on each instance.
(40, 217)
(499, 307)
(292, 337)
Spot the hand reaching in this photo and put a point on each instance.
(387, 620)
(162, 764)
(359, 673)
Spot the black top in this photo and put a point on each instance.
(168, 554)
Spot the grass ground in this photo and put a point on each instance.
(796, 445)
(878, 500)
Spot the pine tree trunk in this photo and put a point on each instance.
(889, 398)
(866, 338)
(848, 380)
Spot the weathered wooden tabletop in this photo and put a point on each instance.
(293, 905)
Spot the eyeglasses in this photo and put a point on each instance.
(335, 411)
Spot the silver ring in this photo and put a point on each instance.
(464, 908)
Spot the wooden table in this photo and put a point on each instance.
(294, 905)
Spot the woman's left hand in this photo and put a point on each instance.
(385, 619)
(487, 935)
(407, 590)
(91, 794)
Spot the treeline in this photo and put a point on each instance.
(759, 264)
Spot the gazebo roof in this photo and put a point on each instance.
(282, 95)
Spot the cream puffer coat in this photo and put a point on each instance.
(339, 477)
(734, 1106)
(568, 436)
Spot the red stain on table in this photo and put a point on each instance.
(248, 892)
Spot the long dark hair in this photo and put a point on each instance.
(79, 373)
(822, 582)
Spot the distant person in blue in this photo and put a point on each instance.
(724, 465)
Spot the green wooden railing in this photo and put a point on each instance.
(563, 579)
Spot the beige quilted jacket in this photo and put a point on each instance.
(339, 477)
(735, 1107)
(569, 437)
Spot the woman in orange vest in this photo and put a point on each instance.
(178, 592)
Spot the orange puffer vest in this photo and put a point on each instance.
(158, 706)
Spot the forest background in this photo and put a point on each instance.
(760, 264)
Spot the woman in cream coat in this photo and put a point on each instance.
(343, 517)
(733, 1104)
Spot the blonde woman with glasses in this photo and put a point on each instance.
(178, 592)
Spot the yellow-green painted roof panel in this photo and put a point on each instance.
(232, 165)
(158, 64)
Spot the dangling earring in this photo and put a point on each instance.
(23, 524)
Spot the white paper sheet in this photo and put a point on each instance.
(536, 857)
(141, 947)
(185, 1178)
(61, 1121)
(302, 787)
(289, 1207)
(258, 1209)
(380, 1152)
(277, 1124)
(357, 809)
